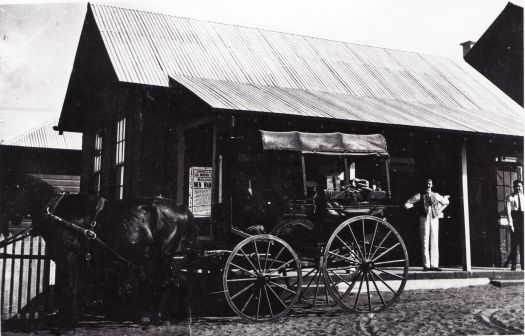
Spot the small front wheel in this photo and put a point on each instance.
(262, 278)
(365, 264)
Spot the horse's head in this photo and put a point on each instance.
(24, 196)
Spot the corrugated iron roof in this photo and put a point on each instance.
(44, 136)
(293, 74)
(258, 98)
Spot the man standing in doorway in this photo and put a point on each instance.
(515, 218)
(429, 207)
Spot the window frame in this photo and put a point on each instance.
(119, 163)
(97, 161)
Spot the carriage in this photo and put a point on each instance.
(302, 221)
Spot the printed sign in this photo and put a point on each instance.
(200, 191)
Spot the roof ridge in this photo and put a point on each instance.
(266, 30)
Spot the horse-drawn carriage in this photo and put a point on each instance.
(301, 219)
(305, 217)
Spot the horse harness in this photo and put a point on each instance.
(89, 233)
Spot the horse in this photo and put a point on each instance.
(85, 232)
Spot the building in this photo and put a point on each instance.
(42, 152)
(56, 159)
(155, 95)
(498, 54)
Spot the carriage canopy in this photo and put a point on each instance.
(325, 143)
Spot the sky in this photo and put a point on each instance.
(38, 39)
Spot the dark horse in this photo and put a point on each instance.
(138, 237)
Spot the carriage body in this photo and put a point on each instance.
(303, 219)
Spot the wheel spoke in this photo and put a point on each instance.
(377, 289)
(348, 247)
(268, 300)
(359, 291)
(390, 249)
(341, 268)
(247, 301)
(326, 290)
(266, 256)
(350, 286)
(240, 280)
(384, 283)
(310, 272)
(340, 278)
(251, 264)
(368, 292)
(389, 262)
(373, 239)
(364, 240)
(341, 257)
(310, 282)
(258, 303)
(355, 241)
(243, 290)
(244, 269)
(284, 276)
(257, 254)
(283, 288)
(277, 296)
(283, 265)
(380, 244)
(390, 273)
(274, 259)
(316, 287)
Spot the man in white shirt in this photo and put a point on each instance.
(429, 206)
(515, 217)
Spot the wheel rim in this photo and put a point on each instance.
(365, 264)
(262, 278)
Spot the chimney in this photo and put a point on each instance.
(466, 47)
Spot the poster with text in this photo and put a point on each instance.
(200, 191)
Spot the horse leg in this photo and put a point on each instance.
(67, 276)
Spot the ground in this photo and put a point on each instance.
(476, 310)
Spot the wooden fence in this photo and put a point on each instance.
(26, 276)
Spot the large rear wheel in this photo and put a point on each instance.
(262, 278)
(365, 264)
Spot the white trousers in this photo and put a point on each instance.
(429, 233)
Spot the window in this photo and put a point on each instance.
(504, 178)
(97, 162)
(119, 158)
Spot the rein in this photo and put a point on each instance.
(17, 237)
(88, 233)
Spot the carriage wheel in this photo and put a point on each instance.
(365, 264)
(262, 278)
(298, 233)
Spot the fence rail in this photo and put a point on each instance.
(26, 275)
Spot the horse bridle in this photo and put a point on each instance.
(88, 233)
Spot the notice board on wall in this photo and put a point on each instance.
(200, 191)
